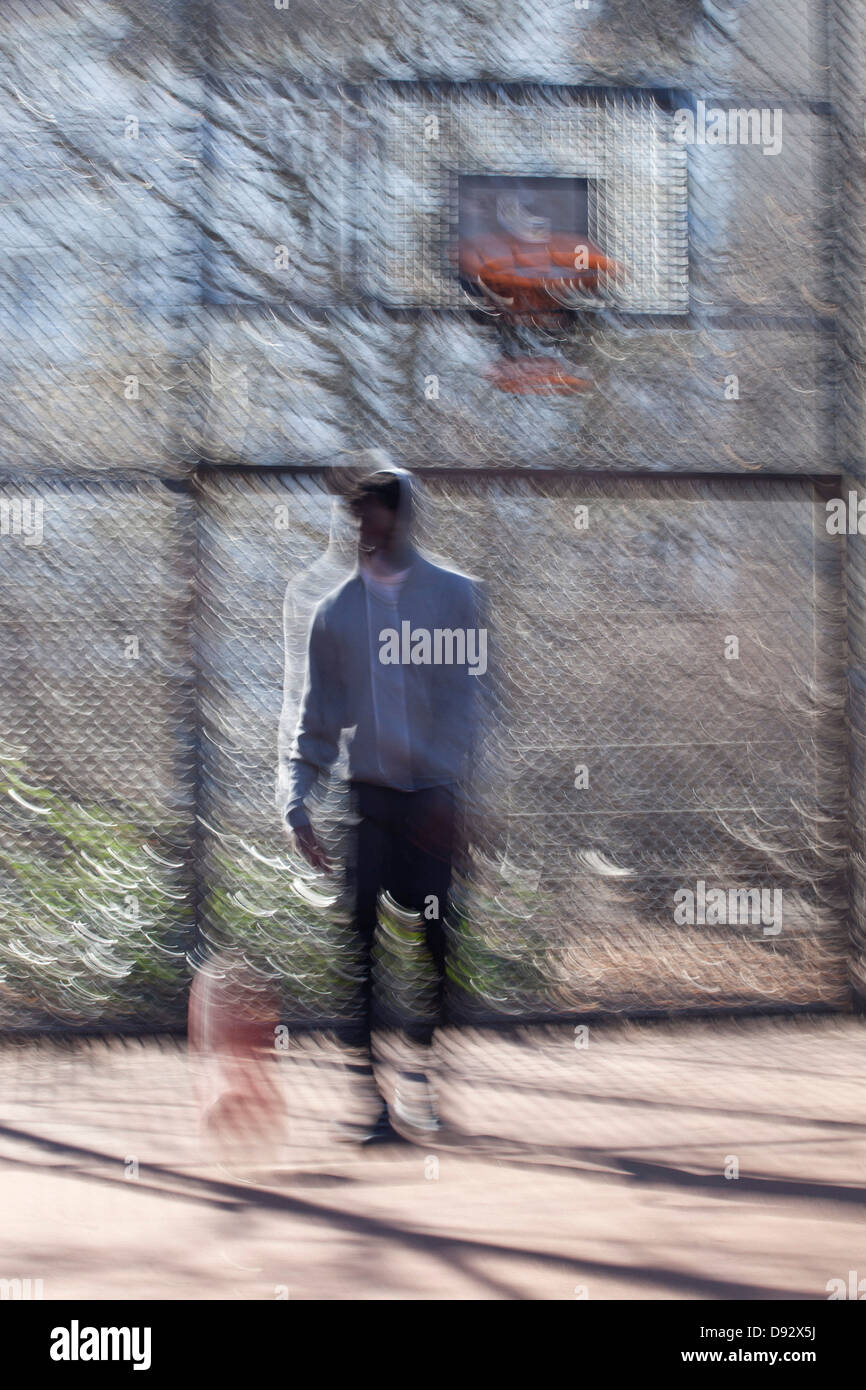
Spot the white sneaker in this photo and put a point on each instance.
(414, 1106)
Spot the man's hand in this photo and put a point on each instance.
(303, 839)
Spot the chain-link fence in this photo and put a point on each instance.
(226, 235)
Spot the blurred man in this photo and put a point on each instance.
(394, 654)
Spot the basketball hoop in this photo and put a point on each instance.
(536, 278)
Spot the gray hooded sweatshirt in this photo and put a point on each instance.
(409, 692)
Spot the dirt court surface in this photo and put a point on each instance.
(561, 1171)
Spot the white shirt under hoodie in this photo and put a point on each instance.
(388, 681)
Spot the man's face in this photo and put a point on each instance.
(377, 526)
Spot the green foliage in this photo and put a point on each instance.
(95, 911)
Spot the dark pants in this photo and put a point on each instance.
(403, 845)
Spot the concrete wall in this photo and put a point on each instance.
(157, 158)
